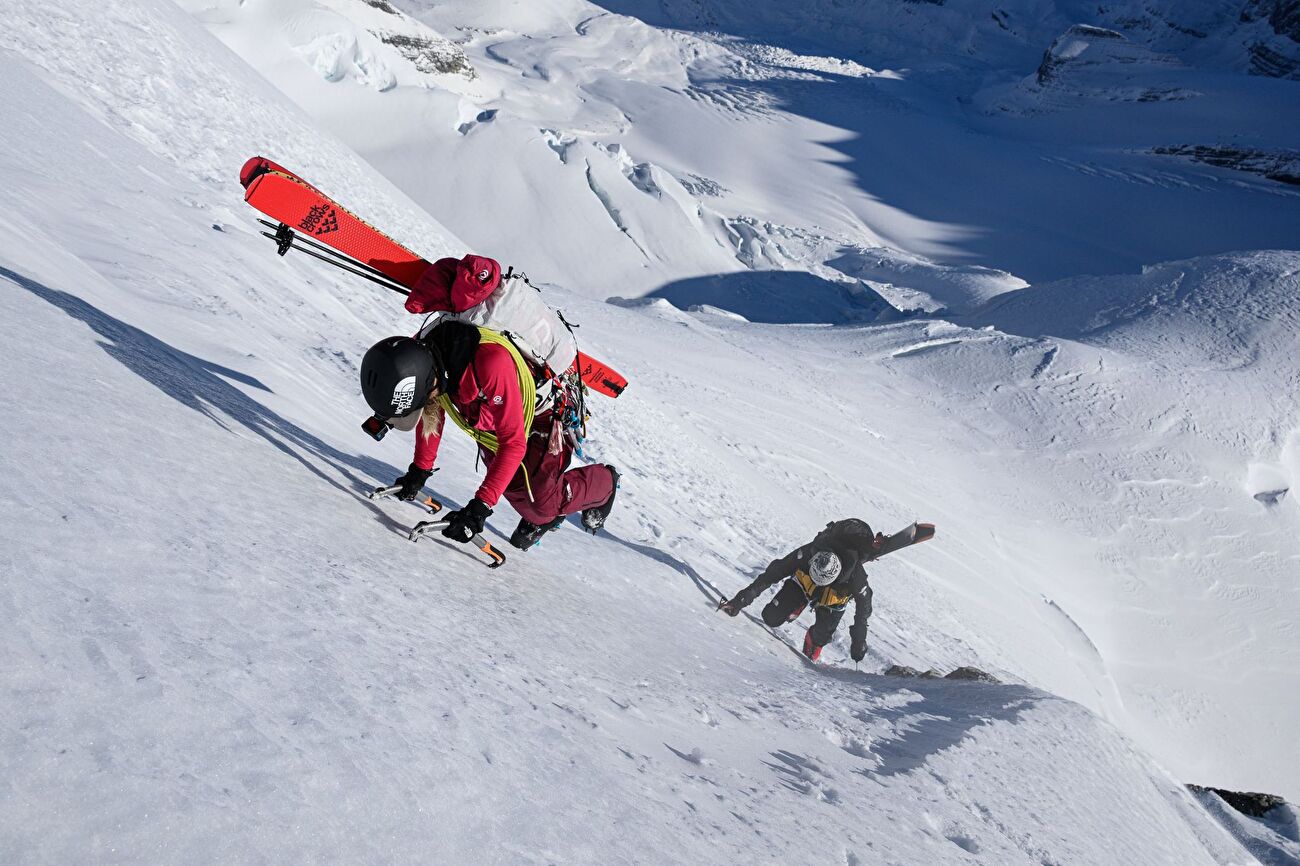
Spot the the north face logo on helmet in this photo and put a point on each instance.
(404, 395)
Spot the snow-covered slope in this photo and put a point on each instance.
(790, 136)
(705, 166)
(221, 651)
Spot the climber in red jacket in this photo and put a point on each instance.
(480, 380)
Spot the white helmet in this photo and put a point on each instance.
(824, 568)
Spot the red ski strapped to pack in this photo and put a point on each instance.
(282, 195)
(287, 198)
(600, 377)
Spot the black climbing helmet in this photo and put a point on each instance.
(397, 376)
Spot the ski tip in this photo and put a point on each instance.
(253, 169)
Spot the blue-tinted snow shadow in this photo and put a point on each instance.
(990, 193)
(201, 385)
(947, 713)
(778, 297)
(703, 584)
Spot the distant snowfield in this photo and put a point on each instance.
(222, 652)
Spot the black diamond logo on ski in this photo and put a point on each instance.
(330, 223)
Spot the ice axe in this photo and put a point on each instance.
(424, 527)
(384, 492)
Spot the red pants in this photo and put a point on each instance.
(555, 491)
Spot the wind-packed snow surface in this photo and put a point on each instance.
(218, 650)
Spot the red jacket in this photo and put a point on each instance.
(490, 400)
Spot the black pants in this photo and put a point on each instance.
(787, 604)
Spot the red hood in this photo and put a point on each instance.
(454, 286)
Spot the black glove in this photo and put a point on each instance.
(412, 482)
(464, 524)
(858, 651)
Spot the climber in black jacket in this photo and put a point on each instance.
(826, 573)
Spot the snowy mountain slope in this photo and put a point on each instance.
(1183, 380)
(222, 652)
(244, 670)
(670, 147)
(1226, 34)
(645, 139)
(599, 132)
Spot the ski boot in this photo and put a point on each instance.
(527, 534)
(594, 518)
(810, 649)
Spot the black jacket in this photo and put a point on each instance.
(850, 540)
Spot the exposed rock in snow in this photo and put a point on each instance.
(1276, 54)
(968, 672)
(1282, 15)
(906, 671)
(1272, 497)
(1249, 803)
(1088, 64)
(1265, 824)
(429, 55)
(1073, 48)
(1281, 166)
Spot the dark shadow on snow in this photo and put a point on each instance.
(703, 584)
(779, 297)
(947, 713)
(708, 590)
(984, 185)
(201, 385)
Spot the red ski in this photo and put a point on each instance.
(914, 534)
(599, 376)
(295, 203)
(282, 195)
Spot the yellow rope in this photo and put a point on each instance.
(527, 388)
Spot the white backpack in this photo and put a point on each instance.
(517, 310)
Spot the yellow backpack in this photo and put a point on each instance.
(829, 597)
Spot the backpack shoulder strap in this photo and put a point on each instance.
(527, 390)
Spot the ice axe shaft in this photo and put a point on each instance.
(384, 492)
(424, 527)
(429, 502)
